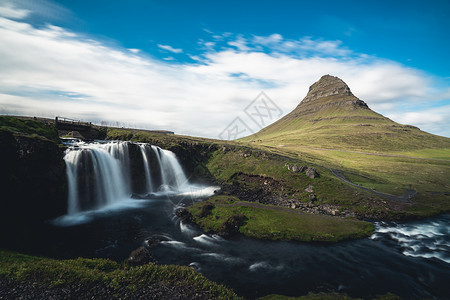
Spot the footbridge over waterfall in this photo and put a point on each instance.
(77, 128)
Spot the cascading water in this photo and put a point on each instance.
(95, 178)
(148, 178)
(120, 152)
(99, 174)
(173, 177)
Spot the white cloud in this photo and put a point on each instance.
(9, 11)
(52, 71)
(434, 120)
(170, 48)
(135, 51)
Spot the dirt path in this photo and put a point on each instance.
(259, 205)
(406, 198)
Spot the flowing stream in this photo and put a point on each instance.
(106, 219)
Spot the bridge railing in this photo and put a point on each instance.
(71, 121)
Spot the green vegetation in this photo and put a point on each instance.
(393, 175)
(334, 129)
(327, 296)
(145, 136)
(227, 166)
(29, 127)
(311, 296)
(233, 160)
(63, 273)
(274, 222)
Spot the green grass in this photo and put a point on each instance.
(28, 127)
(393, 175)
(145, 136)
(331, 123)
(330, 133)
(310, 296)
(62, 273)
(225, 166)
(327, 296)
(275, 223)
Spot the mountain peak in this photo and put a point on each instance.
(327, 86)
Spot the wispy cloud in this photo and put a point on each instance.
(9, 11)
(170, 48)
(49, 70)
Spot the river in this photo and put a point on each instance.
(409, 259)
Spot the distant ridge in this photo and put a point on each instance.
(330, 116)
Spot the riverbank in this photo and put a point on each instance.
(30, 277)
(227, 216)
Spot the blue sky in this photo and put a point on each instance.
(192, 67)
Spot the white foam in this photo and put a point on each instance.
(204, 239)
(199, 191)
(427, 240)
(87, 216)
(427, 255)
(180, 245)
(187, 229)
(264, 265)
(222, 257)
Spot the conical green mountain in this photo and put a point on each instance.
(330, 116)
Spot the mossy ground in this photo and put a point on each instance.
(60, 273)
(389, 174)
(29, 127)
(329, 190)
(276, 223)
(327, 296)
(426, 171)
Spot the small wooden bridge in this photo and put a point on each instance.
(85, 129)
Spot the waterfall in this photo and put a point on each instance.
(172, 175)
(148, 178)
(119, 150)
(95, 178)
(101, 174)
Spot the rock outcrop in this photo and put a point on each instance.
(312, 173)
(140, 256)
(33, 184)
(327, 86)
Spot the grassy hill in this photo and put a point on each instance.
(335, 129)
(331, 117)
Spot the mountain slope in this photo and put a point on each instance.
(330, 116)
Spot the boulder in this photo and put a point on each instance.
(140, 256)
(206, 209)
(295, 168)
(309, 189)
(312, 173)
(184, 215)
(231, 226)
(312, 197)
(152, 241)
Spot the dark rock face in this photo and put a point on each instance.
(137, 177)
(140, 256)
(184, 215)
(329, 91)
(254, 188)
(33, 184)
(327, 86)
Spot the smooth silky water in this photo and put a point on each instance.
(410, 259)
